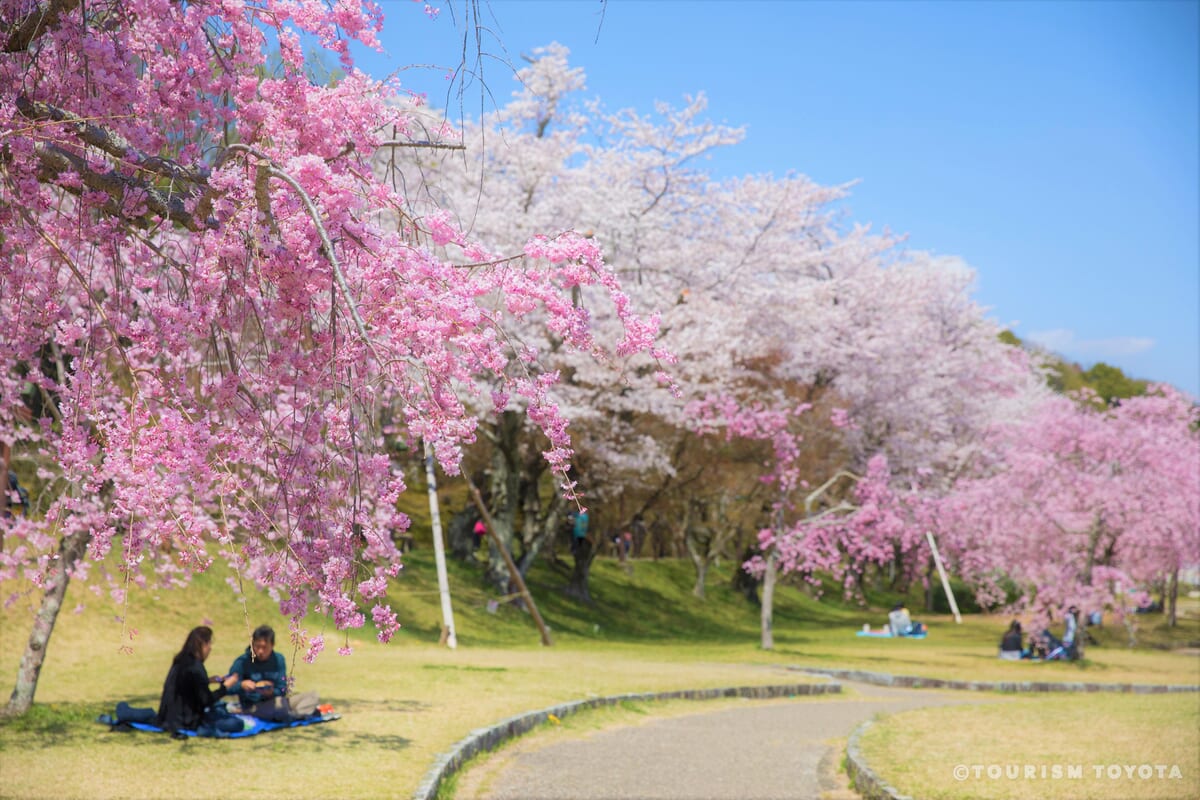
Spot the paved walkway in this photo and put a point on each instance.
(781, 749)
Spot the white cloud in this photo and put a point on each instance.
(1063, 341)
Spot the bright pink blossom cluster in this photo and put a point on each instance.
(220, 320)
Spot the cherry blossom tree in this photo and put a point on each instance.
(711, 255)
(1081, 504)
(765, 296)
(217, 319)
(910, 373)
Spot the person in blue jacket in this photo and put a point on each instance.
(262, 685)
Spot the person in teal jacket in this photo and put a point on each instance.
(261, 675)
(262, 683)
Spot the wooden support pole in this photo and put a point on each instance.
(512, 568)
(937, 560)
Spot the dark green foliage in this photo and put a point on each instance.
(963, 596)
(1010, 338)
(1112, 384)
(1108, 382)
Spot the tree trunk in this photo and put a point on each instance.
(1080, 637)
(768, 602)
(503, 496)
(701, 574)
(577, 587)
(698, 540)
(930, 592)
(69, 551)
(460, 537)
(1093, 541)
(743, 582)
(660, 539)
(540, 526)
(1172, 597)
(5, 496)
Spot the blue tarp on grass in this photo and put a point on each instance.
(253, 725)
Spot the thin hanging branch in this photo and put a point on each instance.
(426, 145)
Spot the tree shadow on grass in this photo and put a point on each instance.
(329, 736)
(385, 705)
(51, 724)
(384, 741)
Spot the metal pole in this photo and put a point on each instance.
(937, 561)
(439, 552)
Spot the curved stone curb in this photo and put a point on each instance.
(917, 682)
(864, 780)
(484, 739)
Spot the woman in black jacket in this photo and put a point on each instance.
(1010, 644)
(187, 702)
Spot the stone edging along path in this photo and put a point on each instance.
(862, 777)
(484, 739)
(866, 782)
(917, 682)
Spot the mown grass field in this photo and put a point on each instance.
(1081, 747)
(406, 702)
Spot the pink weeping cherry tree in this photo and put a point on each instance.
(216, 318)
(1081, 504)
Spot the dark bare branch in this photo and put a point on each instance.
(55, 162)
(35, 23)
(104, 139)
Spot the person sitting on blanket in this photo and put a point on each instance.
(260, 674)
(1011, 648)
(901, 623)
(187, 703)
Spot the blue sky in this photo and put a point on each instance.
(1054, 146)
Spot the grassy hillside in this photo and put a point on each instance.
(648, 605)
(652, 603)
(407, 702)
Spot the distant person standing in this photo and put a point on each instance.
(638, 529)
(1071, 632)
(659, 535)
(579, 530)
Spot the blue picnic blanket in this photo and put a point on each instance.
(252, 725)
(888, 635)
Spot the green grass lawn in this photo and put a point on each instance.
(1090, 747)
(406, 702)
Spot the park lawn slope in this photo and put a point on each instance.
(405, 703)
